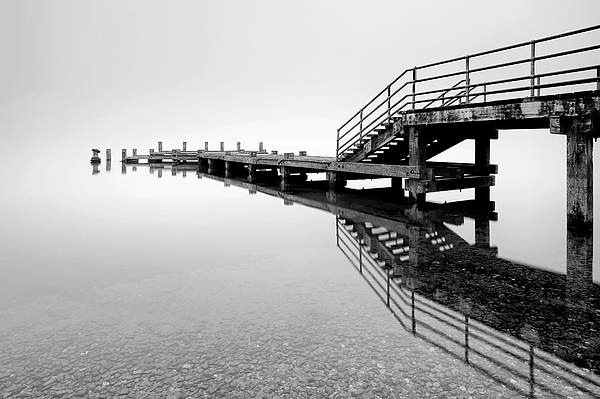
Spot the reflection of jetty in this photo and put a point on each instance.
(551, 83)
(527, 328)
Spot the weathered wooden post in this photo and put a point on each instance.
(580, 172)
(123, 155)
(108, 155)
(482, 159)
(222, 146)
(228, 167)
(123, 168)
(95, 158)
(251, 173)
(532, 69)
(160, 146)
(417, 157)
(160, 173)
(260, 147)
(206, 146)
(302, 153)
(580, 276)
(95, 168)
(184, 146)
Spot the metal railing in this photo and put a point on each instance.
(554, 64)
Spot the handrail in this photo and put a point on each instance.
(402, 91)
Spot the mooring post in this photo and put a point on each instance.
(184, 146)
(123, 155)
(239, 146)
(206, 146)
(580, 172)
(108, 155)
(160, 146)
(222, 146)
(260, 147)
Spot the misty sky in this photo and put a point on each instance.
(125, 74)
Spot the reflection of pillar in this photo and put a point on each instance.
(160, 173)
(580, 253)
(123, 168)
(580, 173)
(95, 169)
(108, 166)
(482, 231)
(482, 158)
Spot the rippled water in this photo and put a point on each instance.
(193, 285)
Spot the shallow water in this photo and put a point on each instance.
(138, 286)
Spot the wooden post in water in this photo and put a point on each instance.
(239, 146)
(184, 146)
(123, 155)
(160, 146)
(417, 157)
(206, 146)
(228, 167)
(580, 172)
(222, 146)
(285, 177)
(251, 173)
(108, 155)
(482, 158)
(260, 147)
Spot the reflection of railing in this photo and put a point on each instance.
(564, 67)
(515, 362)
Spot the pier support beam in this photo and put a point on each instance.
(335, 180)
(482, 158)
(417, 157)
(580, 172)
(285, 177)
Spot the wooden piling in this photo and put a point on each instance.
(239, 146)
(580, 172)
(123, 154)
(160, 146)
(482, 158)
(108, 154)
(222, 146)
(184, 146)
(206, 146)
(260, 147)
(417, 156)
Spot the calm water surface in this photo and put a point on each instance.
(192, 285)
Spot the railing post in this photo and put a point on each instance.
(389, 94)
(532, 81)
(361, 124)
(539, 89)
(484, 92)
(414, 88)
(467, 81)
(337, 147)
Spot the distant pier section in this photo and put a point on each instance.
(549, 83)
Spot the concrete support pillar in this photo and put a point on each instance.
(417, 156)
(398, 187)
(335, 180)
(284, 181)
(580, 172)
(251, 173)
(482, 158)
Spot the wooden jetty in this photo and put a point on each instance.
(551, 83)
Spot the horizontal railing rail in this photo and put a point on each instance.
(426, 86)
